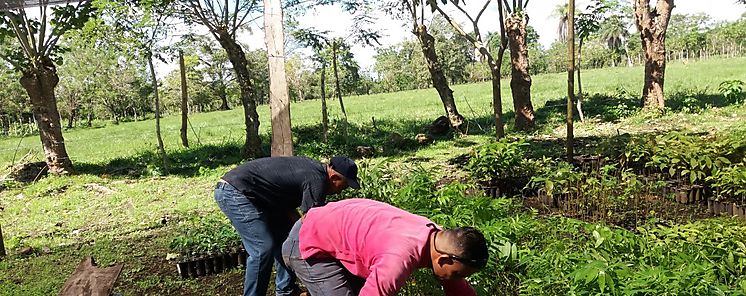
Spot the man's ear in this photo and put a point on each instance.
(335, 177)
(444, 260)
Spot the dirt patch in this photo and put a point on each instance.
(29, 172)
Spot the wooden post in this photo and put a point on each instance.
(570, 75)
(184, 98)
(279, 98)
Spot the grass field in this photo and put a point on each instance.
(395, 111)
(65, 218)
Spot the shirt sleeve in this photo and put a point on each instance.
(457, 288)
(387, 275)
(313, 194)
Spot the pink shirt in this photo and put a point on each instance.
(373, 240)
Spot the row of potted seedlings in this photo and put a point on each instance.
(207, 245)
(212, 264)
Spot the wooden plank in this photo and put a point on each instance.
(89, 280)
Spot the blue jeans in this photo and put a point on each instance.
(261, 241)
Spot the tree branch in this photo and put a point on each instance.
(43, 29)
(507, 6)
(34, 48)
(486, 4)
(66, 26)
(21, 35)
(458, 28)
(226, 10)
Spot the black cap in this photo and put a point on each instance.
(347, 168)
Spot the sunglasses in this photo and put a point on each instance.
(476, 263)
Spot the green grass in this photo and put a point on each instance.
(398, 111)
(72, 219)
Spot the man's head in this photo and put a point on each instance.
(458, 253)
(341, 173)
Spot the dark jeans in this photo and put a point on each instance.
(321, 276)
(259, 238)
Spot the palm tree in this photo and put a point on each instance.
(614, 31)
(560, 12)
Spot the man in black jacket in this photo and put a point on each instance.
(261, 198)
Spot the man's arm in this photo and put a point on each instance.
(313, 194)
(387, 275)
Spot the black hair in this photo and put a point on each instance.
(471, 245)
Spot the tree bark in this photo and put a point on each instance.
(154, 81)
(39, 84)
(279, 96)
(427, 43)
(580, 83)
(652, 26)
(520, 84)
(570, 141)
(184, 99)
(252, 146)
(324, 112)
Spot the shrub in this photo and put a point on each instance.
(496, 160)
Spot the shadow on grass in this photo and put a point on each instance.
(612, 108)
(385, 138)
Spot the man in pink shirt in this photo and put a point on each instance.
(365, 247)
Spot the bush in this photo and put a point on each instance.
(496, 160)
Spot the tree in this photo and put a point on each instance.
(279, 98)
(586, 24)
(652, 25)
(338, 51)
(35, 58)
(569, 143)
(520, 83)
(434, 66)
(218, 70)
(613, 30)
(145, 23)
(184, 100)
(317, 41)
(223, 20)
(482, 47)
(561, 13)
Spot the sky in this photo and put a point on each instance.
(338, 22)
(335, 20)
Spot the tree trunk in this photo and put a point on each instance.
(520, 84)
(324, 112)
(5, 122)
(184, 98)
(279, 96)
(570, 141)
(336, 80)
(252, 147)
(154, 81)
(497, 104)
(580, 83)
(71, 120)
(652, 26)
(427, 42)
(2, 243)
(39, 84)
(626, 53)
